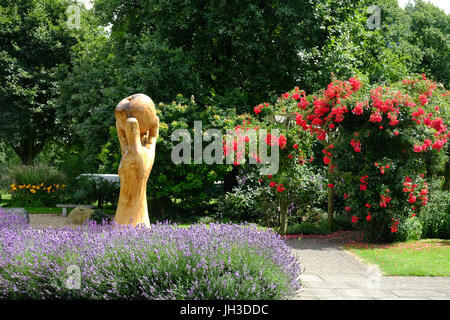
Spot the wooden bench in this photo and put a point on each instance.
(65, 206)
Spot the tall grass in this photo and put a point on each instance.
(31, 174)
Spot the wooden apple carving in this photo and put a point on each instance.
(137, 128)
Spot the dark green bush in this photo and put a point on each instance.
(242, 204)
(435, 216)
(254, 200)
(189, 187)
(342, 222)
(309, 228)
(86, 190)
(100, 217)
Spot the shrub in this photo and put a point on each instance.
(435, 217)
(248, 200)
(88, 190)
(186, 186)
(99, 217)
(219, 261)
(309, 228)
(341, 222)
(239, 205)
(409, 229)
(253, 199)
(308, 213)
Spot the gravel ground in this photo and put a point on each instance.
(319, 256)
(49, 220)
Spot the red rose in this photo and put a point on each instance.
(282, 141)
(280, 188)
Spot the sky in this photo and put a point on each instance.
(443, 4)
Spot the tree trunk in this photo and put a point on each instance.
(446, 185)
(28, 148)
(330, 207)
(283, 217)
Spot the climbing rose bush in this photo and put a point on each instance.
(219, 261)
(294, 160)
(376, 141)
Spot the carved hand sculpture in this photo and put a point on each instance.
(137, 129)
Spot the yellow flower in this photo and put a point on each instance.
(63, 185)
(13, 185)
(38, 187)
(14, 189)
(33, 191)
(42, 184)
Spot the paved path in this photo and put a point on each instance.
(334, 274)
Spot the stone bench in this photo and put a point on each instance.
(65, 206)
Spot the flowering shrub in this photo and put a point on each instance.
(376, 140)
(33, 185)
(165, 262)
(40, 195)
(294, 155)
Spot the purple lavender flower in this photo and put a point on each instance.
(218, 261)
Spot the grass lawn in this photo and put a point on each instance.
(427, 257)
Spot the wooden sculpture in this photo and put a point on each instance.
(137, 128)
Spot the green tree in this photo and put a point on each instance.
(35, 47)
(231, 56)
(236, 54)
(430, 33)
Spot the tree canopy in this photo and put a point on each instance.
(35, 48)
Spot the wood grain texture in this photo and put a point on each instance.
(137, 129)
